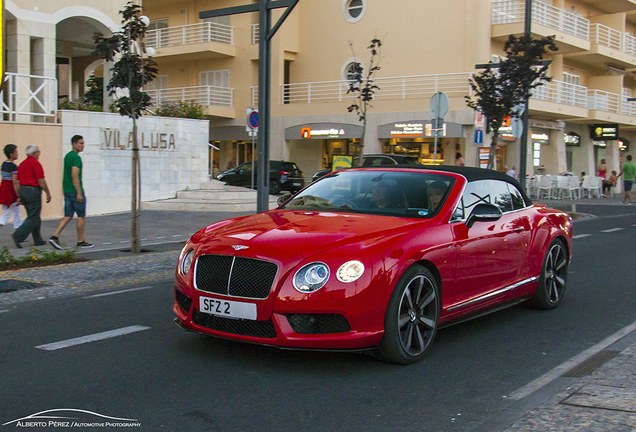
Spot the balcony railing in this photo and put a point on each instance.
(190, 34)
(254, 95)
(562, 93)
(406, 87)
(603, 101)
(28, 98)
(255, 33)
(514, 11)
(204, 95)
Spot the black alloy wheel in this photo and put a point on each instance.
(411, 318)
(553, 277)
(274, 187)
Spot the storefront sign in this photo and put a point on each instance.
(623, 144)
(418, 129)
(572, 139)
(323, 131)
(604, 132)
(404, 130)
(540, 136)
(484, 156)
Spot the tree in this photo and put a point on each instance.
(130, 72)
(500, 90)
(361, 84)
(95, 93)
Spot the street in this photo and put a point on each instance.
(169, 379)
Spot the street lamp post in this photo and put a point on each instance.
(525, 117)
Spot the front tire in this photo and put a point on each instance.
(411, 318)
(552, 281)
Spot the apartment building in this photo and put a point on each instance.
(428, 46)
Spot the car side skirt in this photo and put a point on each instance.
(493, 294)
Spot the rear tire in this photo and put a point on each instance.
(411, 318)
(553, 279)
(274, 187)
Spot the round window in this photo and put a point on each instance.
(353, 10)
(351, 69)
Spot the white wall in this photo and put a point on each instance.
(181, 163)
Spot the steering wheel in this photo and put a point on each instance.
(342, 202)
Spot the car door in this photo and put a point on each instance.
(244, 174)
(484, 263)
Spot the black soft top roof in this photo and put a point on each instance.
(471, 174)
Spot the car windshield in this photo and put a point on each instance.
(393, 193)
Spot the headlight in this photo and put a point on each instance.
(311, 277)
(186, 262)
(350, 271)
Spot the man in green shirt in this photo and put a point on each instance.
(74, 198)
(628, 169)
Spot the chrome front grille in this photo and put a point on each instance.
(235, 276)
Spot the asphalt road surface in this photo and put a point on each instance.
(147, 370)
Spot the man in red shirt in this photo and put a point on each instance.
(32, 183)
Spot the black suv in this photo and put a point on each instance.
(376, 160)
(283, 175)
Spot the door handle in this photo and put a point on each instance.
(518, 229)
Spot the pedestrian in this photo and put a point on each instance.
(74, 198)
(459, 160)
(512, 172)
(602, 169)
(32, 183)
(9, 187)
(609, 184)
(628, 169)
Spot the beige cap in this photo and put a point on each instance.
(31, 148)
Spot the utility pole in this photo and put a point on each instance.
(266, 33)
(525, 117)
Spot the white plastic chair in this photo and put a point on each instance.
(575, 187)
(545, 184)
(591, 186)
(563, 187)
(597, 186)
(533, 186)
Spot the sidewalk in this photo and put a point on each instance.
(596, 393)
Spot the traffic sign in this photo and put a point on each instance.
(439, 104)
(479, 136)
(252, 120)
(517, 127)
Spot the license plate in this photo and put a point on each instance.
(296, 184)
(227, 308)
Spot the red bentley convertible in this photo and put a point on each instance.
(374, 258)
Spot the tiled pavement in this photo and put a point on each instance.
(603, 398)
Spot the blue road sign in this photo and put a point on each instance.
(252, 119)
(479, 136)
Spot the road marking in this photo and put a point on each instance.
(176, 235)
(107, 243)
(92, 338)
(1, 311)
(144, 239)
(574, 361)
(581, 236)
(160, 237)
(119, 292)
(124, 241)
(612, 230)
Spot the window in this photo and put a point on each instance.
(571, 78)
(217, 78)
(353, 10)
(157, 24)
(483, 191)
(160, 82)
(518, 202)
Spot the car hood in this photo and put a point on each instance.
(301, 232)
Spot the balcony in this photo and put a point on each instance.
(608, 46)
(612, 6)
(28, 98)
(610, 107)
(217, 101)
(200, 40)
(559, 100)
(405, 87)
(572, 31)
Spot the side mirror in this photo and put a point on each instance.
(283, 198)
(483, 213)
